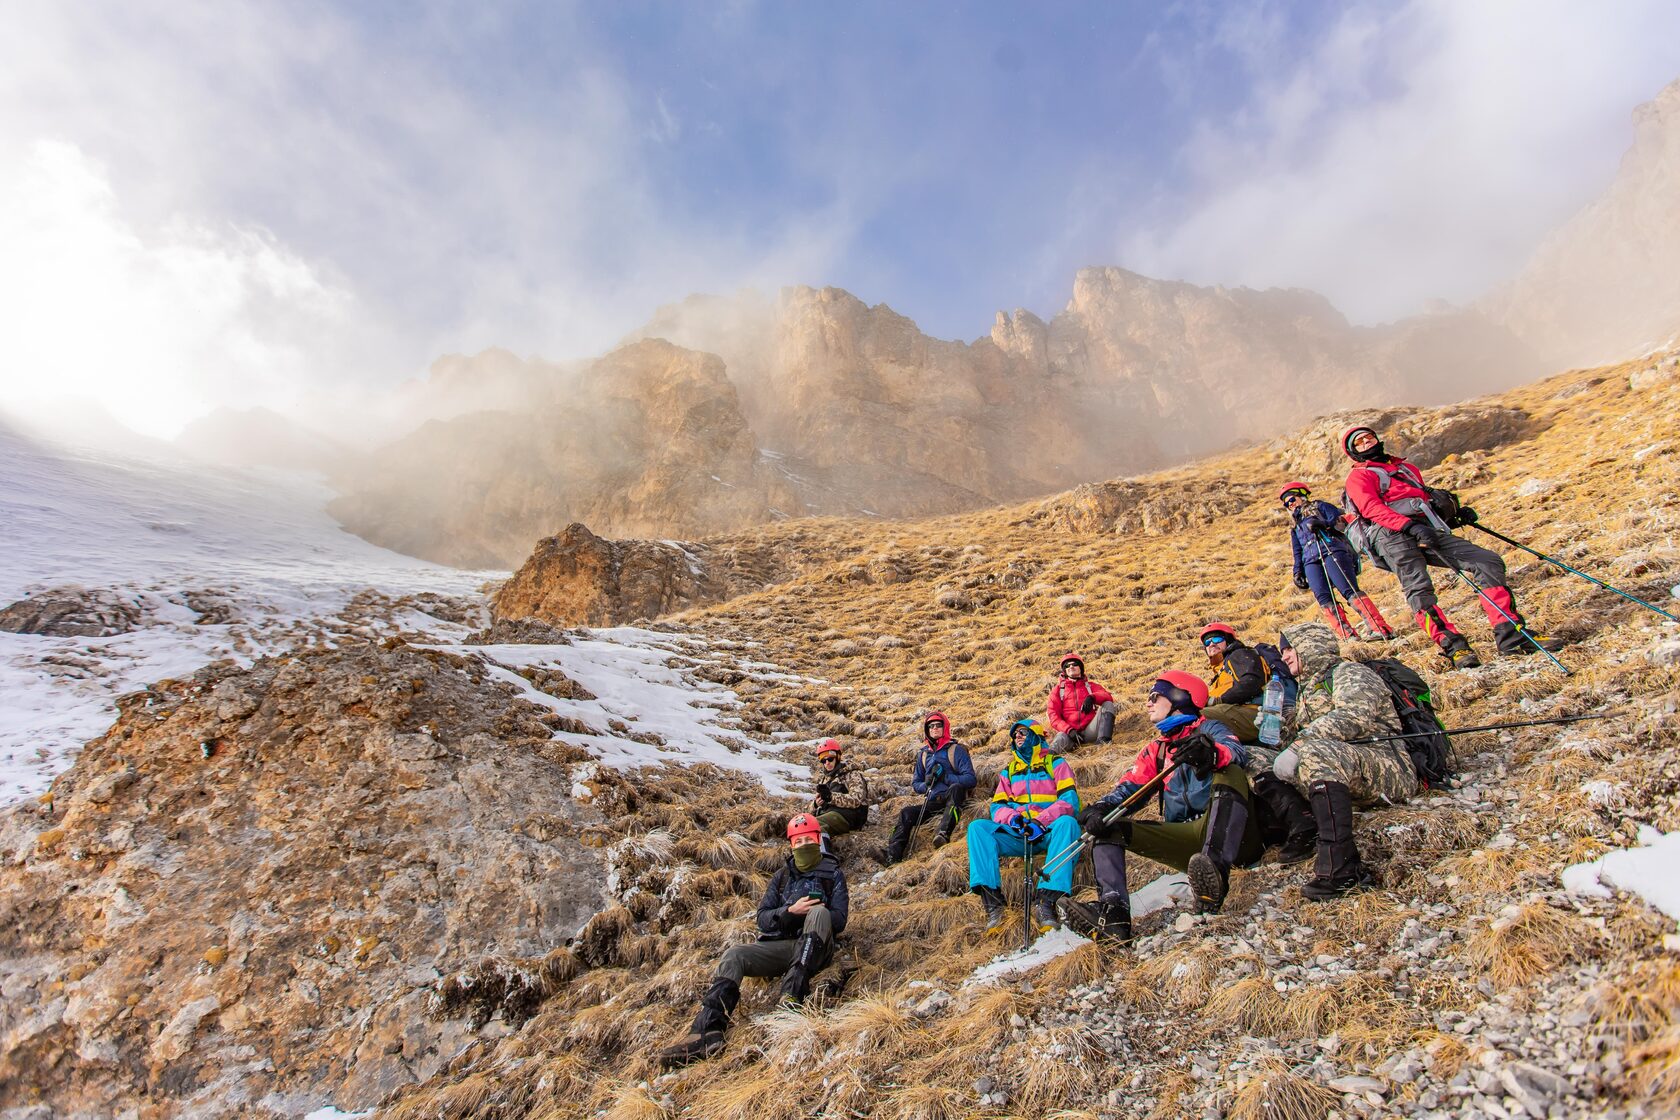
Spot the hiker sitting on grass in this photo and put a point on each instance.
(944, 776)
(1033, 807)
(1205, 825)
(803, 910)
(842, 801)
(1239, 679)
(1339, 700)
(1079, 710)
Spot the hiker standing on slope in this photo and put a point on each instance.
(944, 776)
(842, 801)
(1035, 806)
(803, 909)
(1325, 563)
(1205, 826)
(1339, 700)
(1079, 710)
(1403, 526)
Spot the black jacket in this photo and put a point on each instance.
(1242, 675)
(788, 885)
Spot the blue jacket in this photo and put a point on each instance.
(1304, 538)
(788, 885)
(1185, 796)
(949, 761)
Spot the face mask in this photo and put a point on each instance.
(807, 856)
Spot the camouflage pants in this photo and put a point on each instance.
(1372, 773)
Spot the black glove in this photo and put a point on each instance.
(824, 791)
(1466, 515)
(1090, 704)
(1426, 536)
(1301, 580)
(1092, 823)
(1199, 754)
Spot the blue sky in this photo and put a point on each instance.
(252, 200)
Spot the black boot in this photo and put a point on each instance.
(947, 821)
(1337, 869)
(992, 899)
(1291, 814)
(1210, 868)
(1103, 726)
(705, 1038)
(1512, 642)
(807, 961)
(895, 847)
(1116, 913)
(1045, 916)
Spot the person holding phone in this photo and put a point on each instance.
(803, 910)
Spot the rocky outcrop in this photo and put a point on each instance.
(1604, 287)
(242, 897)
(817, 403)
(73, 612)
(1426, 438)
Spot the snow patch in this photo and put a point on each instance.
(1651, 871)
(1159, 894)
(1535, 486)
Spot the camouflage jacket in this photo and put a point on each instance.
(847, 787)
(1348, 701)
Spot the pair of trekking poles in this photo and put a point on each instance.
(1326, 552)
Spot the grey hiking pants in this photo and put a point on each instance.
(1100, 729)
(1411, 564)
(772, 958)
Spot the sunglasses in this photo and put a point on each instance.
(1213, 640)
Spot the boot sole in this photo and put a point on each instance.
(1205, 882)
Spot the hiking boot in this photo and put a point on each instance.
(1338, 869)
(1115, 920)
(1209, 881)
(942, 837)
(1515, 642)
(1044, 912)
(1290, 814)
(807, 960)
(693, 1048)
(992, 899)
(1464, 658)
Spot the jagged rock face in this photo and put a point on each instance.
(650, 440)
(824, 405)
(1424, 438)
(256, 931)
(1604, 287)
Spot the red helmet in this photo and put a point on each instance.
(1347, 442)
(1066, 657)
(804, 825)
(829, 746)
(1183, 689)
(1218, 627)
(1294, 488)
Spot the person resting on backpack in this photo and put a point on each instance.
(944, 776)
(1239, 680)
(1034, 807)
(1079, 710)
(1403, 526)
(1340, 700)
(1205, 826)
(843, 795)
(1325, 562)
(803, 910)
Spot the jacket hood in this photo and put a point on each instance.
(1317, 646)
(944, 736)
(1029, 748)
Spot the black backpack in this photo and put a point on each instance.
(1432, 753)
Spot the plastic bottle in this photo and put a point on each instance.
(1271, 713)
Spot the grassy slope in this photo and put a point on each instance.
(970, 613)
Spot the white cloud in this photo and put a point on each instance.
(157, 325)
(1417, 151)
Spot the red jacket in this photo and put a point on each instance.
(1364, 487)
(1067, 698)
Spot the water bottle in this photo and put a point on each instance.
(1271, 713)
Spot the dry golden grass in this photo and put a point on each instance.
(1277, 1093)
(864, 627)
(1528, 941)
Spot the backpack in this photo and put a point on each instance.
(1432, 754)
(1273, 658)
(1358, 533)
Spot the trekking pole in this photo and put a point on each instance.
(1574, 571)
(1125, 809)
(910, 845)
(1327, 552)
(1484, 727)
(1026, 893)
(1486, 598)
